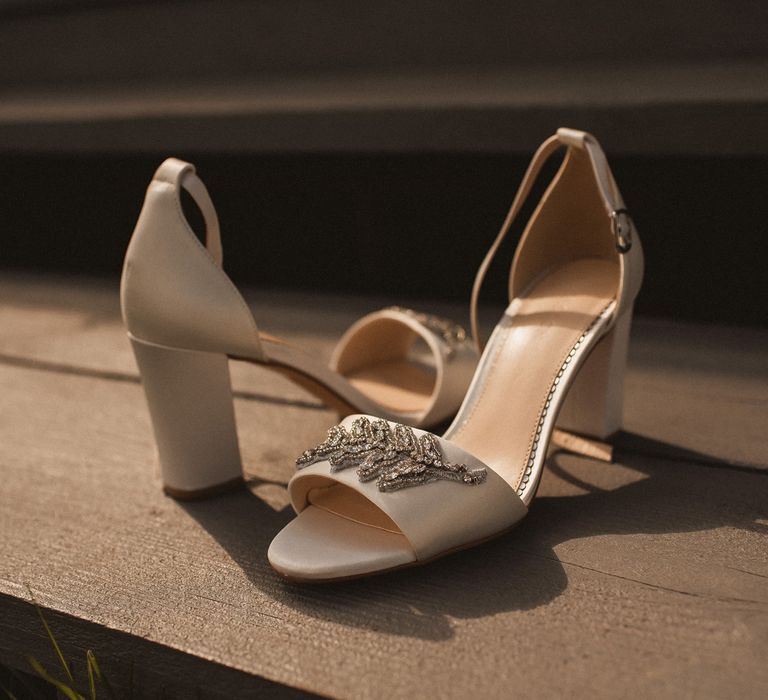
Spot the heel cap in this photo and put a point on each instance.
(207, 492)
(601, 450)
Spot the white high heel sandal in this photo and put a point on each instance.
(186, 319)
(377, 496)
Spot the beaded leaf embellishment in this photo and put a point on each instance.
(395, 457)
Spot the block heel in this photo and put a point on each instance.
(190, 404)
(594, 405)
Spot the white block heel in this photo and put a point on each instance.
(190, 403)
(594, 404)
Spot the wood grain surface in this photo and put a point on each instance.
(647, 576)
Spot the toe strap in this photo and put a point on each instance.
(389, 334)
(436, 494)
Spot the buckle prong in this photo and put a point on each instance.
(622, 225)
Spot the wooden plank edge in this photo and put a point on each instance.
(133, 665)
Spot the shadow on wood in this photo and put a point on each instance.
(518, 571)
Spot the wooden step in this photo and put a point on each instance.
(645, 576)
(134, 42)
(298, 75)
(698, 109)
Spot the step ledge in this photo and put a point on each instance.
(692, 108)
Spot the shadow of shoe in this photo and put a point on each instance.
(518, 571)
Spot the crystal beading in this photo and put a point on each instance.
(451, 334)
(394, 456)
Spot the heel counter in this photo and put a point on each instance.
(173, 292)
(143, 297)
(130, 288)
(569, 222)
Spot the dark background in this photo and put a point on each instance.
(399, 225)
(388, 197)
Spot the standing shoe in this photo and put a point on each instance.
(185, 320)
(378, 496)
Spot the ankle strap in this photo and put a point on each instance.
(182, 174)
(621, 223)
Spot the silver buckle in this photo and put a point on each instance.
(622, 225)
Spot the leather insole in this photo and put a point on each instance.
(523, 357)
(399, 385)
(404, 386)
(371, 393)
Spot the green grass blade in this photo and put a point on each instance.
(91, 679)
(10, 695)
(54, 644)
(94, 667)
(55, 682)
